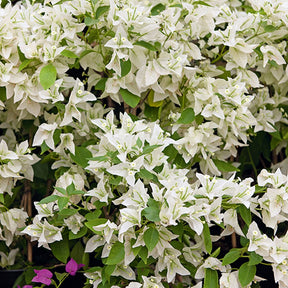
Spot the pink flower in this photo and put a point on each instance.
(25, 286)
(43, 276)
(72, 267)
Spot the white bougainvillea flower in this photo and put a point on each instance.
(45, 133)
(107, 229)
(66, 143)
(45, 210)
(229, 279)
(259, 242)
(5, 153)
(276, 179)
(77, 96)
(11, 221)
(94, 242)
(152, 281)
(212, 263)
(124, 271)
(102, 192)
(170, 261)
(271, 53)
(8, 260)
(74, 222)
(43, 232)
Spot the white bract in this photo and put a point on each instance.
(133, 118)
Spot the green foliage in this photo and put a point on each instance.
(125, 67)
(245, 214)
(157, 9)
(100, 85)
(246, 274)
(254, 259)
(187, 116)
(207, 238)
(151, 238)
(152, 211)
(60, 249)
(81, 156)
(129, 98)
(225, 166)
(211, 279)
(69, 54)
(231, 256)
(116, 254)
(48, 76)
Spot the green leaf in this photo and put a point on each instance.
(90, 21)
(216, 252)
(77, 192)
(60, 276)
(207, 238)
(187, 116)
(115, 180)
(67, 212)
(231, 256)
(151, 238)
(69, 54)
(49, 199)
(61, 190)
(82, 232)
(70, 188)
(93, 215)
(157, 9)
(201, 3)
(125, 67)
(81, 156)
(225, 166)
(44, 147)
(78, 254)
(151, 112)
(152, 211)
(270, 28)
(145, 174)
(101, 10)
(246, 274)
(254, 259)
(151, 102)
(146, 45)
(143, 254)
(245, 214)
(149, 148)
(139, 143)
(211, 279)
(21, 54)
(62, 202)
(100, 85)
(129, 98)
(60, 249)
(106, 273)
(24, 64)
(3, 94)
(48, 76)
(100, 158)
(117, 254)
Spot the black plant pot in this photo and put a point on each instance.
(77, 281)
(8, 277)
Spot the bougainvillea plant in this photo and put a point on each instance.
(146, 140)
